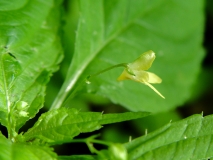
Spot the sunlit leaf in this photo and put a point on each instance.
(30, 52)
(62, 125)
(19, 151)
(190, 138)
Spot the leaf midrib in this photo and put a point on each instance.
(5, 84)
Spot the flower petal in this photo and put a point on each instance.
(138, 76)
(153, 78)
(141, 76)
(144, 62)
(154, 89)
(124, 75)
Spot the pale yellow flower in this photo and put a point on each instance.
(136, 71)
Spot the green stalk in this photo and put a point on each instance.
(62, 96)
(107, 69)
(89, 141)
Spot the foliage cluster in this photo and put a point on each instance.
(90, 36)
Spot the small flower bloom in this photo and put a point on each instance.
(136, 71)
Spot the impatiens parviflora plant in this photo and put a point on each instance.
(136, 71)
(30, 51)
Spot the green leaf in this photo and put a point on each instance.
(62, 125)
(18, 151)
(190, 138)
(112, 32)
(29, 53)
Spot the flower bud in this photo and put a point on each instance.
(118, 152)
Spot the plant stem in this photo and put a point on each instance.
(89, 141)
(62, 96)
(107, 69)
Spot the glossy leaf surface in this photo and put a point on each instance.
(30, 51)
(62, 125)
(190, 138)
(19, 151)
